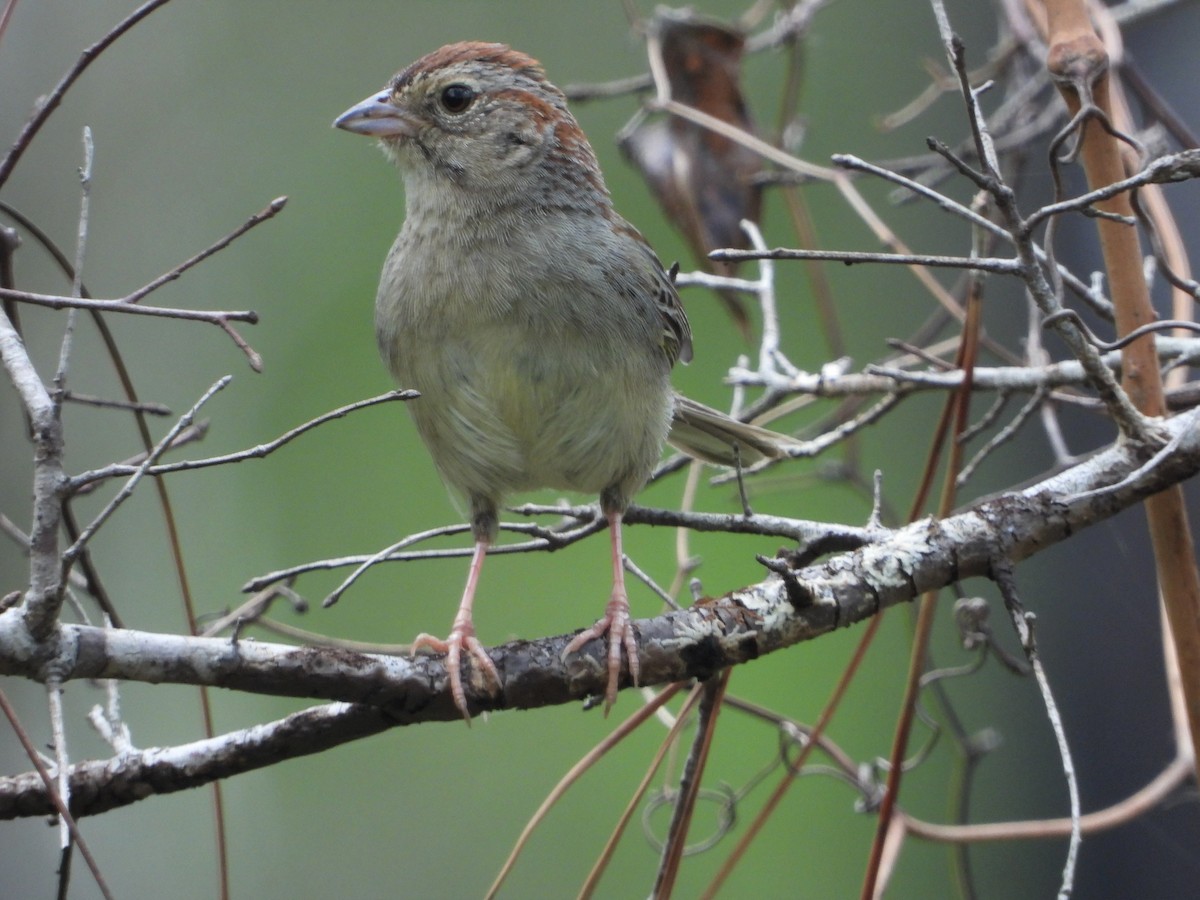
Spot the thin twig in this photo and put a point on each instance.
(85, 183)
(668, 742)
(689, 785)
(804, 532)
(851, 257)
(149, 408)
(52, 793)
(130, 304)
(108, 722)
(120, 470)
(1023, 623)
(127, 489)
(1005, 434)
(268, 212)
(122, 305)
(62, 768)
(51, 101)
(576, 771)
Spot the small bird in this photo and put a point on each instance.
(537, 324)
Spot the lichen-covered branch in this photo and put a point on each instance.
(788, 607)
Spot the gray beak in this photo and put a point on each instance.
(376, 116)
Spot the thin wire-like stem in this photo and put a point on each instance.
(1023, 624)
(713, 693)
(50, 102)
(70, 554)
(52, 792)
(589, 759)
(610, 846)
(813, 740)
(85, 183)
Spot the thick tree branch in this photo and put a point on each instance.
(789, 607)
(100, 785)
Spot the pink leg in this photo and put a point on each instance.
(462, 634)
(616, 621)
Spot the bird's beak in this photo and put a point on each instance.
(376, 116)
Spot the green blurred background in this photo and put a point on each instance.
(204, 113)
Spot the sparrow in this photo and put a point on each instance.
(537, 324)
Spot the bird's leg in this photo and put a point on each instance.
(462, 634)
(616, 621)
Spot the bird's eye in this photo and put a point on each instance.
(456, 98)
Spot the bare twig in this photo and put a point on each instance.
(850, 257)
(44, 591)
(119, 470)
(1005, 434)
(1142, 801)
(149, 408)
(589, 759)
(271, 210)
(72, 552)
(51, 101)
(1023, 623)
(589, 886)
(877, 379)
(130, 304)
(739, 626)
(85, 181)
(122, 305)
(54, 698)
(713, 693)
(43, 778)
(108, 722)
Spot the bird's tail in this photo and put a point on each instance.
(711, 436)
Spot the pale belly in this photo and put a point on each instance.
(501, 412)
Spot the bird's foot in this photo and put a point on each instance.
(461, 636)
(619, 627)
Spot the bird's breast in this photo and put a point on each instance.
(506, 408)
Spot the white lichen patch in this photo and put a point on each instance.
(890, 566)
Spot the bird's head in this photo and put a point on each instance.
(482, 117)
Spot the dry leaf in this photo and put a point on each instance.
(705, 182)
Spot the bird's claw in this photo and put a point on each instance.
(452, 647)
(619, 627)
